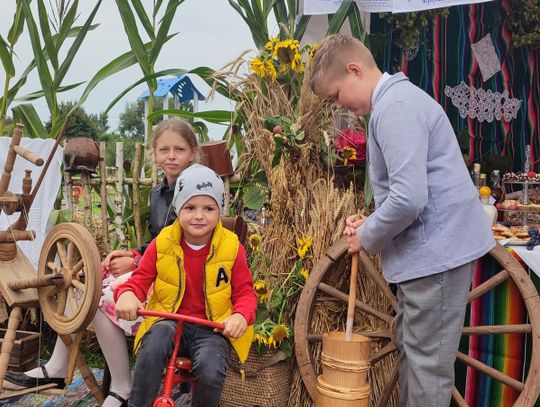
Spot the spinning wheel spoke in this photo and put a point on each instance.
(385, 351)
(389, 386)
(487, 285)
(73, 300)
(52, 266)
(70, 254)
(340, 295)
(78, 285)
(62, 300)
(458, 398)
(61, 249)
(494, 373)
(378, 279)
(78, 267)
(497, 329)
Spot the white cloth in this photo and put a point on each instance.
(375, 6)
(47, 193)
(530, 257)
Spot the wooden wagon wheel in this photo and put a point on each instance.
(307, 342)
(70, 250)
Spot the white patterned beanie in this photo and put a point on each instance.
(198, 180)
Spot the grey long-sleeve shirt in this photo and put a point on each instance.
(428, 217)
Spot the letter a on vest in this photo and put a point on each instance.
(222, 276)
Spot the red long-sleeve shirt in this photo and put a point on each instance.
(243, 295)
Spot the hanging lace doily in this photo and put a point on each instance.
(481, 104)
(486, 56)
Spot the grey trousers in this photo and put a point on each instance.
(431, 312)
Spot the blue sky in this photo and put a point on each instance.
(211, 33)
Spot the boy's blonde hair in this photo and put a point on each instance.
(331, 58)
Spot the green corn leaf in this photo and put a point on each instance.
(143, 17)
(41, 63)
(132, 31)
(61, 73)
(301, 27)
(212, 116)
(163, 30)
(38, 94)
(157, 6)
(5, 56)
(355, 22)
(27, 115)
(338, 19)
(18, 24)
(153, 76)
(222, 87)
(65, 28)
(46, 34)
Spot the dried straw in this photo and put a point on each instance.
(306, 200)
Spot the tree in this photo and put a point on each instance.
(101, 122)
(79, 125)
(132, 120)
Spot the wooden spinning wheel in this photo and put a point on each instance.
(69, 250)
(377, 320)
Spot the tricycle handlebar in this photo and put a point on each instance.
(180, 317)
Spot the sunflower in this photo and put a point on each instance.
(304, 243)
(280, 332)
(261, 339)
(312, 51)
(261, 289)
(288, 53)
(348, 153)
(270, 70)
(304, 273)
(254, 240)
(257, 66)
(272, 342)
(271, 44)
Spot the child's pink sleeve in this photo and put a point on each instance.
(243, 295)
(142, 278)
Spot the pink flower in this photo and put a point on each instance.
(355, 139)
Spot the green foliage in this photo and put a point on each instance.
(410, 25)
(131, 120)
(80, 124)
(524, 23)
(101, 122)
(129, 147)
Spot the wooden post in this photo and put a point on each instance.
(103, 193)
(68, 187)
(137, 194)
(121, 237)
(7, 344)
(227, 185)
(352, 297)
(87, 200)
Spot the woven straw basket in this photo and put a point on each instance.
(267, 382)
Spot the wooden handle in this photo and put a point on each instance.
(28, 155)
(352, 298)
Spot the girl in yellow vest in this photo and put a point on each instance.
(198, 268)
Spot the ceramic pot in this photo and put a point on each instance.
(81, 154)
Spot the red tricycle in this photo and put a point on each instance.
(179, 369)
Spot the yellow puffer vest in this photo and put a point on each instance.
(169, 286)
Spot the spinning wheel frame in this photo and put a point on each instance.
(529, 389)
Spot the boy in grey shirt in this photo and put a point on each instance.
(428, 225)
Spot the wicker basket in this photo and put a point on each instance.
(267, 381)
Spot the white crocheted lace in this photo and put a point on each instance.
(482, 104)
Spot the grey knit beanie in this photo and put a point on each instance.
(198, 180)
